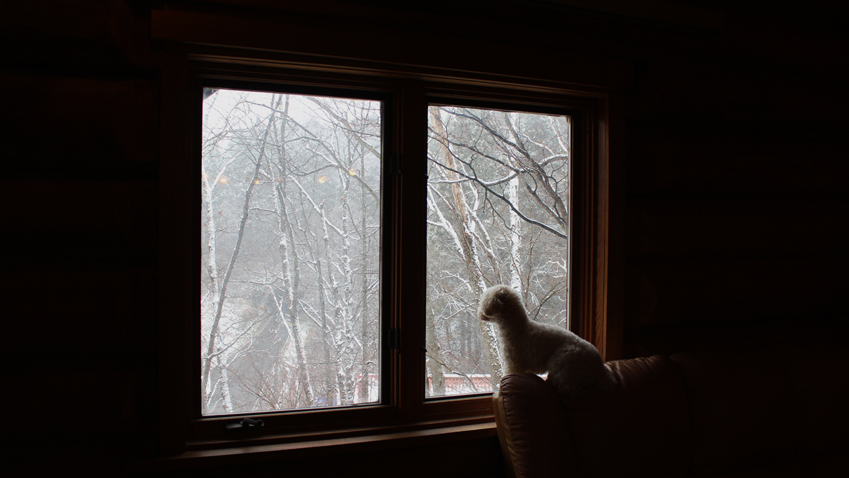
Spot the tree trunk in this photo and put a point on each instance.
(222, 290)
(436, 364)
(291, 265)
(465, 229)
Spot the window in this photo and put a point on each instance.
(290, 238)
(325, 245)
(498, 213)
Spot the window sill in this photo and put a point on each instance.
(235, 455)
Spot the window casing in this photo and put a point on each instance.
(403, 407)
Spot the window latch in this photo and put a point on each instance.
(245, 424)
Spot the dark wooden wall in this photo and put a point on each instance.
(731, 202)
(736, 168)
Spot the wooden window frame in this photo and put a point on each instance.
(404, 413)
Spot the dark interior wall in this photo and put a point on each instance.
(733, 208)
(736, 201)
(79, 174)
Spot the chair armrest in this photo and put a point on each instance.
(532, 428)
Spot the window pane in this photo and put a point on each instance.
(290, 244)
(498, 213)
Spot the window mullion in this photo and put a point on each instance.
(408, 259)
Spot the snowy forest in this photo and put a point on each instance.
(290, 282)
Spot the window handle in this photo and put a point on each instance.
(245, 424)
